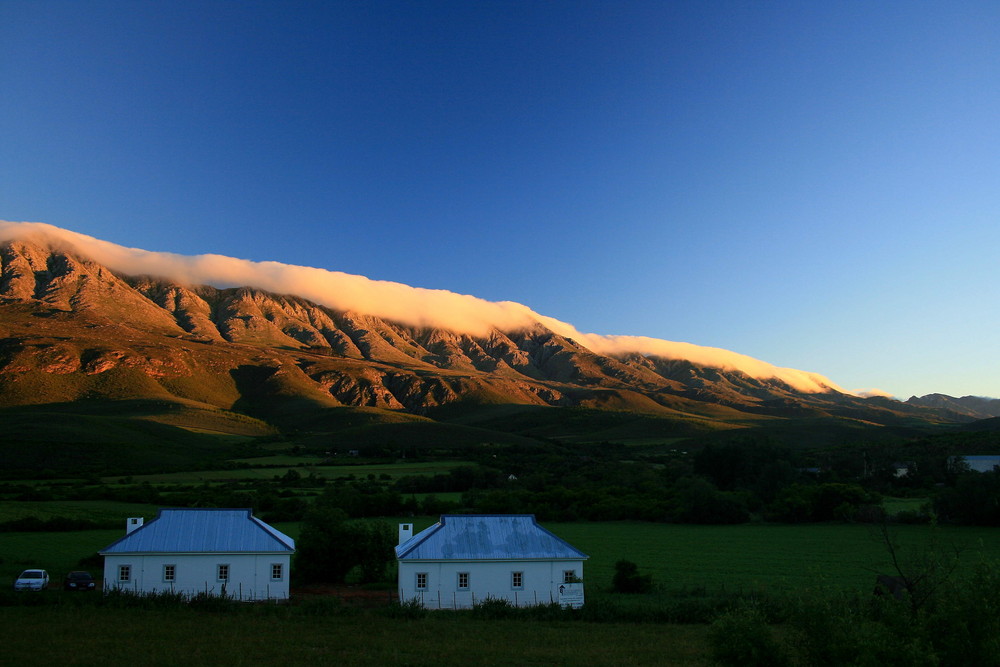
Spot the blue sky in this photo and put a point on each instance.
(813, 184)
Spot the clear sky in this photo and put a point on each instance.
(814, 184)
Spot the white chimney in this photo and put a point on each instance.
(405, 532)
(132, 523)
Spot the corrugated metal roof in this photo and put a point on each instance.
(486, 537)
(203, 531)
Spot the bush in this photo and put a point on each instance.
(491, 608)
(743, 638)
(407, 609)
(628, 580)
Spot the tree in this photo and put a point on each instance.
(321, 555)
(698, 501)
(330, 546)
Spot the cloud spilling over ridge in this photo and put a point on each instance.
(414, 306)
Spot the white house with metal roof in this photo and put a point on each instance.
(465, 558)
(191, 551)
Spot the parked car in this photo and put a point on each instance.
(32, 580)
(79, 581)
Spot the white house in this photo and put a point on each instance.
(191, 551)
(463, 559)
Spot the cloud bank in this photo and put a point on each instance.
(414, 306)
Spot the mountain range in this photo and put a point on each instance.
(73, 331)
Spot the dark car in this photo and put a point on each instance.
(79, 581)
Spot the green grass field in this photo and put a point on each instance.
(778, 558)
(89, 510)
(360, 471)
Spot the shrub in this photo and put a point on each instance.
(628, 580)
(743, 638)
(407, 609)
(211, 602)
(491, 608)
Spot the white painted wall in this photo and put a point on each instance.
(541, 582)
(249, 574)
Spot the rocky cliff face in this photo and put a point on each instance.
(72, 329)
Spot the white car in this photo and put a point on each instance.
(32, 580)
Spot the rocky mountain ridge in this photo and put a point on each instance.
(976, 407)
(72, 329)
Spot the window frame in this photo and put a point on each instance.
(169, 572)
(569, 576)
(517, 580)
(462, 581)
(223, 572)
(421, 580)
(124, 573)
(278, 568)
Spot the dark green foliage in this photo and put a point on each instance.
(320, 555)
(628, 580)
(406, 609)
(823, 502)
(330, 546)
(743, 638)
(492, 608)
(121, 598)
(955, 626)
(30, 524)
(966, 625)
(698, 501)
(213, 603)
(973, 500)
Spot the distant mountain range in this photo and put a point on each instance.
(73, 329)
(976, 407)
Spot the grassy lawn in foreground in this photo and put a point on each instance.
(87, 636)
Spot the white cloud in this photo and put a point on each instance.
(389, 300)
(869, 393)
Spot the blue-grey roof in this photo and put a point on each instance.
(486, 537)
(203, 531)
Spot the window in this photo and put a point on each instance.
(222, 572)
(276, 571)
(463, 581)
(569, 576)
(517, 579)
(124, 573)
(169, 572)
(421, 581)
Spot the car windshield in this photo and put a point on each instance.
(79, 575)
(32, 574)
